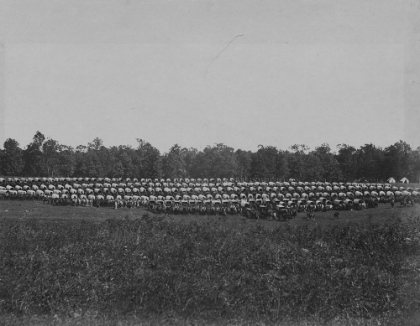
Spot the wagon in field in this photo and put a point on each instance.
(359, 204)
(349, 203)
(283, 212)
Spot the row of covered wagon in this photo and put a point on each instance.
(225, 196)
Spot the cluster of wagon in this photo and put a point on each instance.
(208, 196)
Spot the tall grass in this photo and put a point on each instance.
(151, 267)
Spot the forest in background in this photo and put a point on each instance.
(46, 157)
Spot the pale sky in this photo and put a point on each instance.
(197, 73)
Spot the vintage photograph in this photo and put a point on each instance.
(210, 162)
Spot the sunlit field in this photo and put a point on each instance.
(72, 265)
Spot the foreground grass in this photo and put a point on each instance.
(135, 321)
(154, 271)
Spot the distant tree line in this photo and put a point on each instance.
(47, 157)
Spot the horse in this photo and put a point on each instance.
(203, 209)
(311, 215)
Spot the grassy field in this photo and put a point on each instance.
(36, 209)
(82, 265)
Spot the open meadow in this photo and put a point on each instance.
(39, 210)
(77, 265)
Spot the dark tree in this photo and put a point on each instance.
(33, 157)
(11, 159)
